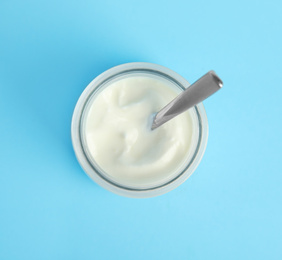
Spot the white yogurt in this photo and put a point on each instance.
(118, 136)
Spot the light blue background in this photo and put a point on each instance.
(231, 206)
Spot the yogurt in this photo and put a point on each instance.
(118, 137)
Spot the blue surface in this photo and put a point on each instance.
(231, 206)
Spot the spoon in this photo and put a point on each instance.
(194, 94)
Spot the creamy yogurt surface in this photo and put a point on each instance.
(119, 139)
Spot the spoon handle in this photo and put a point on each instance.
(194, 94)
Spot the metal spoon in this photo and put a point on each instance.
(194, 94)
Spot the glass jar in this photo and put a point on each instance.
(92, 168)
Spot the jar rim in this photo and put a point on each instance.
(93, 172)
